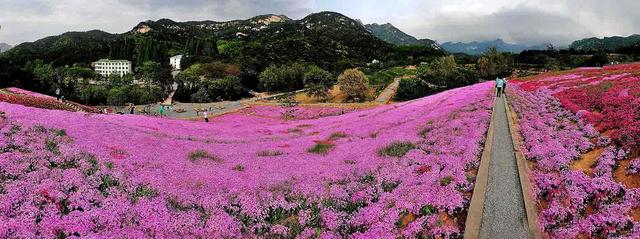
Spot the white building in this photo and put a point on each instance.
(106, 67)
(175, 62)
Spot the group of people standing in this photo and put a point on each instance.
(501, 86)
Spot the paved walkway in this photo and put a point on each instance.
(504, 214)
(386, 95)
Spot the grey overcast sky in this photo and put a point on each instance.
(515, 21)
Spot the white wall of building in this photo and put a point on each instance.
(175, 62)
(106, 67)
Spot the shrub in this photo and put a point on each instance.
(396, 149)
(354, 84)
(202, 154)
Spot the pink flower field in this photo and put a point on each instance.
(581, 135)
(401, 170)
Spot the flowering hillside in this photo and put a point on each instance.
(396, 170)
(28, 98)
(581, 132)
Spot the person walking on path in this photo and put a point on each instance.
(499, 87)
(132, 110)
(206, 116)
(504, 85)
(161, 110)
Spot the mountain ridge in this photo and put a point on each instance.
(391, 34)
(4, 47)
(611, 43)
(480, 47)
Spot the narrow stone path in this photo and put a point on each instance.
(504, 214)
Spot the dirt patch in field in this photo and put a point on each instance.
(635, 214)
(335, 96)
(628, 180)
(586, 162)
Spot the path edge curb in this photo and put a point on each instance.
(476, 206)
(523, 170)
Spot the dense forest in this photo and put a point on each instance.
(226, 60)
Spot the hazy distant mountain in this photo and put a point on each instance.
(480, 47)
(4, 47)
(607, 43)
(393, 35)
(321, 38)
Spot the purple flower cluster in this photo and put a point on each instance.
(573, 202)
(634, 166)
(401, 170)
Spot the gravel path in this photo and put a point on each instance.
(504, 214)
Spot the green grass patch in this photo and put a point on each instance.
(321, 148)
(396, 149)
(269, 153)
(238, 167)
(107, 182)
(60, 132)
(198, 155)
(52, 146)
(143, 191)
(446, 181)
(337, 135)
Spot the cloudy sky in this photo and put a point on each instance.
(515, 21)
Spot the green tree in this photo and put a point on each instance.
(283, 78)
(494, 64)
(227, 88)
(45, 75)
(201, 96)
(153, 73)
(318, 82)
(354, 84)
(117, 96)
(413, 88)
(219, 70)
(230, 49)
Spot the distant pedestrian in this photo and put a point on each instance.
(499, 86)
(206, 116)
(504, 85)
(133, 109)
(109, 110)
(161, 111)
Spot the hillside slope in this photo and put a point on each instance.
(403, 169)
(321, 38)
